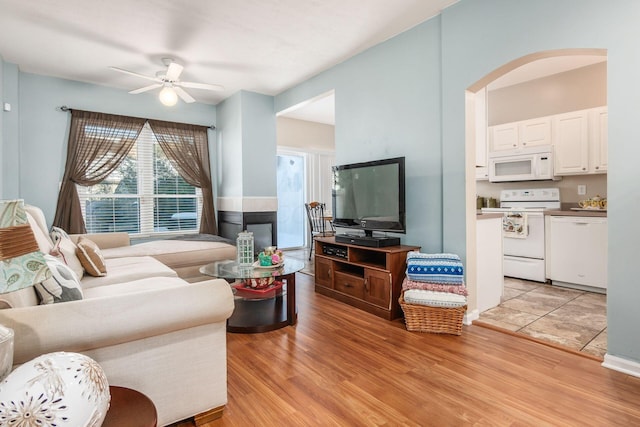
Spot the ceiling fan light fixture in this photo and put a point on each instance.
(168, 96)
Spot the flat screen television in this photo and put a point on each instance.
(370, 196)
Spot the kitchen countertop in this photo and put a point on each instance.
(488, 215)
(594, 212)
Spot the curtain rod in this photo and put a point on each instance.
(69, 109)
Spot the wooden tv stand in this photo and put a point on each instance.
(367, 278)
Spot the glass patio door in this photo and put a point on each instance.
(290, 191)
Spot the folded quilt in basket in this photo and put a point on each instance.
(439, 287)
(434, 299)
(435, 268)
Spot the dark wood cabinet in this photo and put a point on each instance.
(367, 278)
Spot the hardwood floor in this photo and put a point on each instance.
(340, 366)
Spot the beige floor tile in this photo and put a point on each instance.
(500, 324)
(575, 345)
(525, 285)
(600, 341)
(538, 304)
(576, 336)
(594, 319)
(555, 291)
(594, 351)
(592, 299)
(509, 293)
(508, 315)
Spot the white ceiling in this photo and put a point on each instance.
(264, 46)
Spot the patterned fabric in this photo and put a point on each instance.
(24, 270)
(515, 225)
(61, 286)
(434, 299)
(65, 250)
(454, 289)
(443, 268)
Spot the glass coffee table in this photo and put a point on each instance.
(259, 310)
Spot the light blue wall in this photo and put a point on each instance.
(247, 141)
(10, 132)
(44, 128)
(229, 129)
(259, 147)
(479, 37)
(388, 105)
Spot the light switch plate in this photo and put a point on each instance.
(582, 190)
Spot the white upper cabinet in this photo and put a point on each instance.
(526, 133)
(598, 140)
(580, 141)
(571, 142)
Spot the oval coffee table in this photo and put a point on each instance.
(259, 311)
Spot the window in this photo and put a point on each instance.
(144, 195)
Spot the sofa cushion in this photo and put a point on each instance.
(23, 298)
(141, 285)
(62, 286)
(91, 257)
(128, 269)
(177, 253)
(65, 249)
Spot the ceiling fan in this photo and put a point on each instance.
(169, 80)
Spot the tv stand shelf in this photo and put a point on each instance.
(368, 278)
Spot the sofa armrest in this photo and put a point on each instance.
(87, 324)
(105, 240)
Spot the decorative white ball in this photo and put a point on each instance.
(61, 389)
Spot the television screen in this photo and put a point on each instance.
(370, 196)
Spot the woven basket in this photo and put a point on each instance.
(437, 320)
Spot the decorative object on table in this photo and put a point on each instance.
(55, 389)
(434, 298)
(270, 257)
(244, 246)
(246, 290)
(21, 265)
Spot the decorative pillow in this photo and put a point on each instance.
(65, 249)
(91, 258)
(61, 286)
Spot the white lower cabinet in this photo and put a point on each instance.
(490, 276)
(577, 250)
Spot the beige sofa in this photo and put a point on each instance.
(149, 329)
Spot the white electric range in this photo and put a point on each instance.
(523, 230)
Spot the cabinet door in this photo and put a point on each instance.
(504, 137)
(599, 140)
(535, 132)
(377, 287)
(571, 143)
(324, 271)
(349, 284)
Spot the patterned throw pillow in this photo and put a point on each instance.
(65, 249)
(61, 286)
(91, 257)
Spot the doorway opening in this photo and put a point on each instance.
(502, 97)
(306, 153)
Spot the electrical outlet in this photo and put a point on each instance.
(582, 190)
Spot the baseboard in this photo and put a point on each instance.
(470, 316)
(619, 364)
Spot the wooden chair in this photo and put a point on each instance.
(318, 222)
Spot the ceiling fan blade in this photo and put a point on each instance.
(184, 95)
(205, 86)
(146, 88)
(155, 79)
(174, 71)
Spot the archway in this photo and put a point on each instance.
(472, 108)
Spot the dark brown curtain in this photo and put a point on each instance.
(187, 147)
(98, 143)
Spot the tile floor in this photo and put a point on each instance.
(571, 318)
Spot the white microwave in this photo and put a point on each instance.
(527, 164)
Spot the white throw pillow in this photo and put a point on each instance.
(65, 250)
(61, 286)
